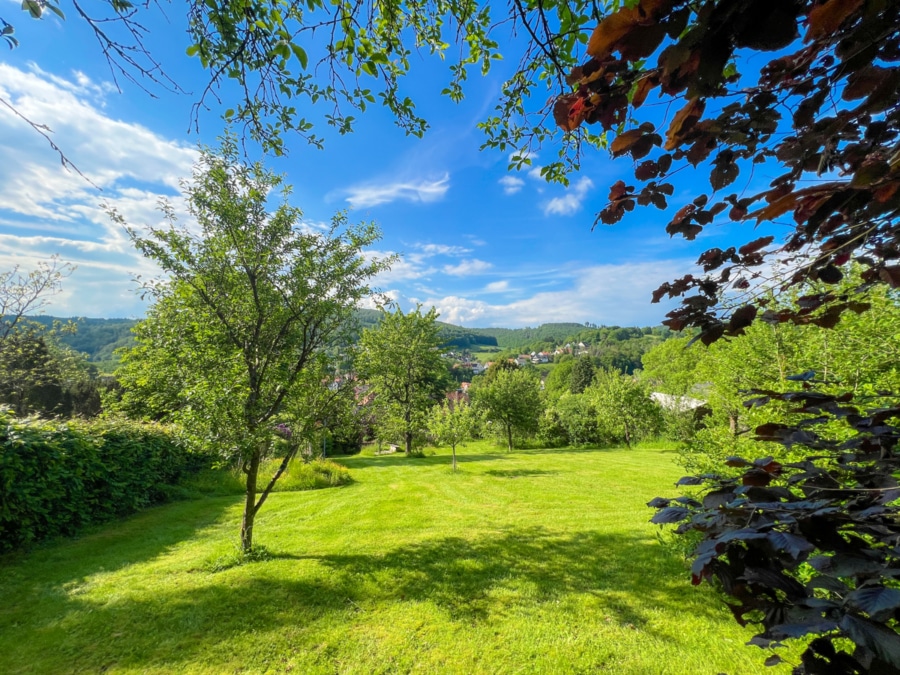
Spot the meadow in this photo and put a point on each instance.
(536, 561)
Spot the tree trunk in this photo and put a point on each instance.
(252, 472)
(627, 437)
(509, 438)
(408, 439)
(453, 450)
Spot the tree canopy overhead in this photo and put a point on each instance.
(823, 112)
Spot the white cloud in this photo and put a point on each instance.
(423, 191)
(45, 209)
(571, 201)
(511, 184)
(441, 249)
(497, 286)
(467, 268)
(604, 294)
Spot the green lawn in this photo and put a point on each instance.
(530, 562)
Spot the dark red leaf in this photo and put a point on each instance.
(756, 245)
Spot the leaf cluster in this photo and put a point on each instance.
(840, 91)
(808, 549)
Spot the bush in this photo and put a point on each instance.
(58, 477)
(320, 473)
(314, 475)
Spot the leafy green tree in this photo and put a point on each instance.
(582, 374)
(400, 359)
(671, 366)
(453, 423)
(559, 379)
(511, 399)
(241, 326)
(578, 417)
(625, 411)
(38, 373)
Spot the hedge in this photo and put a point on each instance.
(56, 477)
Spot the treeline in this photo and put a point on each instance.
(96, 338)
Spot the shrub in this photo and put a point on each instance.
(320, 473)
(58, 477)
(313, 475)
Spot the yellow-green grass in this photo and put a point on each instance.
(527, 562)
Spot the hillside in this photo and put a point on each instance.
(99, 338)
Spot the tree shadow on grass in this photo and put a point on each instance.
(462, 576)
(402, 460)
(471, 580)
(571, 450)
(111, 546)
(519, 473)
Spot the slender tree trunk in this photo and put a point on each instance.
(509, 438)
(453, 450)
(252, 472)
(627, 438)
(407, 433)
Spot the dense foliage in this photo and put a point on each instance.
(809, 547)
(57, 477)
(802, 540)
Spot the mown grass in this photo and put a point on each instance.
(527, 562)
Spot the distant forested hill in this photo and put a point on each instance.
(98, 338)
(513, 338)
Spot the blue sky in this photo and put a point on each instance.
(486, 246)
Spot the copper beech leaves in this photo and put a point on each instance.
(684, 120)
(806, 549)
(823, 116)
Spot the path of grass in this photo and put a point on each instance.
(532, 562)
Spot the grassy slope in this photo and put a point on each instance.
(529, 562)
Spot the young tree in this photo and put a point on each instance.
(510, 399)
(250, 305)
(400, 359)
(625, 411)
(453, 423)
(582, 374)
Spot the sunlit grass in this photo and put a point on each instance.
(531, 561)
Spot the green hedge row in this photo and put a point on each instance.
(56, 477)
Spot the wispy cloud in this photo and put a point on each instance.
(605, 294)
(467, 268)
(441, 249)
(571, 201)
(511, 184)
(423, 191)
(497, 286)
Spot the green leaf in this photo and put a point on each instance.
(300, 54)
(370, 68)
(192, 50)
(56, 10)
(32, 8)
